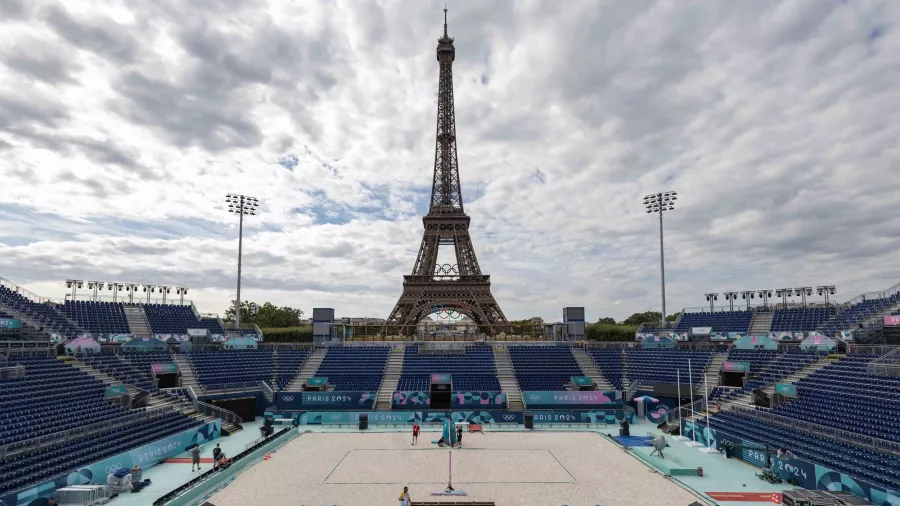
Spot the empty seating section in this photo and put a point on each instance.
(120, 369)
(356, 369)
(609, 361)
(44, 313)
(472, 371)
(52, 397)
(98, 317)
(801, 319)
(721, 321)
(232, 368)
(842, 395)
(858, 312)
(171, 319)
(868, 465)
(666, 366)
(543, 367)
(211, 324)
(758, 359)
(289, 363)
(783, 366)
(31, 468)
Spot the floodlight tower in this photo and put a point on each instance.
(74, 284)
(803, 291)
(826, 290)
(95, 286)
(731, 297)
(660, 203)
(181, 292)
(241, 205)
(712, 298)
(784, 293)
(748, 296)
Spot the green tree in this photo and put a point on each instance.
(266, 315)
(607, 320)
(639, 318)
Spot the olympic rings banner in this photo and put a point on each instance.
(451, 310)
(479, 398)
(410, 400)
(548, 400)
(325, 400)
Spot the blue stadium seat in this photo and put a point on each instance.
(472, 371)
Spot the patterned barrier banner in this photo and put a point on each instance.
(96, 473)
(718, 336)
(734, 336)
(171, 368)
(891, 320)
(657, 413)
(404, 417)
(410, 400)
(542, 399)
(317, 381)
(783, 336)
(846, 335)
(9, 323)
(497, 399)
(787, 389)
(612, 416)
(337, 400)
(682, 336)
(441, 378)
(729, 366)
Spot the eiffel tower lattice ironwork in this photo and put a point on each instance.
(433, 287)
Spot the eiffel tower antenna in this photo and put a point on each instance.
(460, 287)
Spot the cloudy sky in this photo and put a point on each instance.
(124, 124)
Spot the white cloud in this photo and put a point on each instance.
(123, 125)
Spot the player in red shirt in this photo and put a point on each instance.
(415, 433)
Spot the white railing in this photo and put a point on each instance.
(886, 365)
(267, 391)
(214, 411)
(869, 442)
(694, 408)
(632, 389)
(34, 444)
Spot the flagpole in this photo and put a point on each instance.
(693, 441)
(680, 436)
(708, 448)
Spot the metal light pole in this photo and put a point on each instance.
(712, 298)
(765, 295)
(747, 295)
(241, 205)
(826, 290)
(659, 203)
(731, 297)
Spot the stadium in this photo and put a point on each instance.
(126, 393)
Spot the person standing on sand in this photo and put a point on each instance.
(415, 432)
(404, 497)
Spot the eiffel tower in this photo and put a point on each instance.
(458, 288)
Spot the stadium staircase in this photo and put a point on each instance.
(715, 367)
(155, 400)
(137, 321)
(507, 377)
(590, 369)
(803, 373)
(307, 370)
(393, 369)
(188, 378)
(761, 323)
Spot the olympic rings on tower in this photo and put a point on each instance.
(453, 312)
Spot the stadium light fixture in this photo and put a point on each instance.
(748, 295)
(164, 290)
(74, 284)
(95, 286)
(181, 292)
(802, 292)
(765, 295)
(131, 288)
(826, 290)
(731, 297)
(148, 289)
(115, 287)
(241, 205)
(784, 293)
(712, 298)
(660, 203)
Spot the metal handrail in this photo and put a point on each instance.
(34, 444)
(267, 391)
(886, 365)
(214, 411)
(13, 372)
(861, 440)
